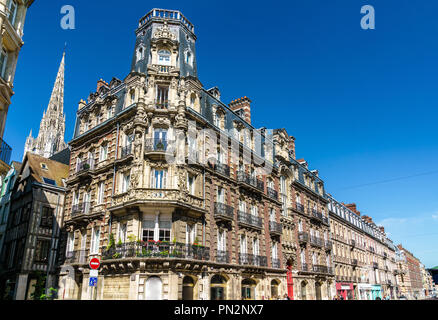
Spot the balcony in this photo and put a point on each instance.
(272, 193)
(125, 151)
(162, 104)
(316, 215)
(371, 249)
(316, 242)
(275, 263)
(304, 267)
(5, 152)
(299, 207)
(223, 211)
(328, 245)
(249, 220)
(84, 166)
(159, 147)
(78, 256)
(354, 262)
(275, 228)
(253, 260)
(220, 168)
(325, 220)
(375, 265)
(385, 255)
(80, 209)
(249, 181)
(353, 243)
(321, 269)
(303, 237)
(157, 250)
(223, 256)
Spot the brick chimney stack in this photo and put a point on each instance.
(352, 207)
(101, 83)
(382, 229)
(242, 106)
(367, 219)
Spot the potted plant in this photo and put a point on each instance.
(159, 145)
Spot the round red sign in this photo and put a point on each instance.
(94, 263)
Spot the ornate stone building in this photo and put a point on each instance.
(12, 17)
(50, 139)
(306, 234)
(175, 191)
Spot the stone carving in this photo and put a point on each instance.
(164, 32)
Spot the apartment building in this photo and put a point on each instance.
(172, 189)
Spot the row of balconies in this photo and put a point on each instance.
(303, 237)
(315, 214)
(316, 268)
(167, 250)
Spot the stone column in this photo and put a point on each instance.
(21, 287)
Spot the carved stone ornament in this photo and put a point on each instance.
(164, 32)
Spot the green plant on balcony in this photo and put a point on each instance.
(164, 253)
(111, 242)
(86, 166)
(119, 243)
(159, 145)
(132, 238)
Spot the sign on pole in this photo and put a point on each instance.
(94, 263)
(93, 281)
(94, 273)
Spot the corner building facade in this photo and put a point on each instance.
(175, 191)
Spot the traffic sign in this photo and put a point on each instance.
(94, 273)
(94, 263)
(93, 281)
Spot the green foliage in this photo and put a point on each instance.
(111, 242)
(132, 238)
(39, 286)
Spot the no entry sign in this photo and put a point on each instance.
(94, 263)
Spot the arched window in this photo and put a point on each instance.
(188, 285)
(154, 287)
(274, 288)
(218, 285)
(164, 57)
(189, 58)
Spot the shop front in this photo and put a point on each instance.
(365, 291)
(376, 292)
(345, 290)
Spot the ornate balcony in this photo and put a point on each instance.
(316, 215)
(220, 168)
(275, 228)
(222, 256)
(125, 151)
(321, 269)
(303, 237)
(272, 193)
(78, 256)
(84, 167)
(163, 250)
(80, 209)
(223, 211)
(253, 260)
(316, 242)
(252, 182)
(275, 263)
(159, 148)
(249, 220)
(299, 207)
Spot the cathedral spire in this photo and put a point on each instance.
(50, 138)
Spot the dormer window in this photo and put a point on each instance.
(12, 6)
(164, 57)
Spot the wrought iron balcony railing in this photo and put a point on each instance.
(159, 145)
(353, 242)
(85, 165)
(78, 256)
(222, 210)
(317, 215)
(80, 208)
(253, 260)
(249, 219)
(328, 245)
(151, 249)
(126, 151)
(251, 181)
(303, 237)
(375, 265)
(318, 242)
(272, 193)
(275, 227)
(223, 256)
(299, 207)
(354, 262)
(320, 269)
(220, 168)
(275, 263)
(5, 152)
(304, 267)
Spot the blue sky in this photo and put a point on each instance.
(362, 105)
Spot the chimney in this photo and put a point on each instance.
(303, 162)
(316, 172)
(101, 84)
(367, 219)
(242, 107)
(382, 229)
(352, 207)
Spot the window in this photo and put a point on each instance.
(220, 195)
(255, 247)
(217, 120)
(303, 257)
(103, 155)
(190, 233)
(47, 217)
(242, 206)
(191, 183)
(164, 230)
(12, 6)
(148, 230)
(3, 62)
(274, 250)
(42, 251)
(164, 57)
(70, 242)
(189, 58)
(243, 247)
(109, 112)
(255, 211)
(221, 240)
(160, 139)
(272, 215)
(159, 178)
(283, 194)
(300, 226)
(49, 181)
(122, 232)
(95, 240)
(126, 178)
(100, 193)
